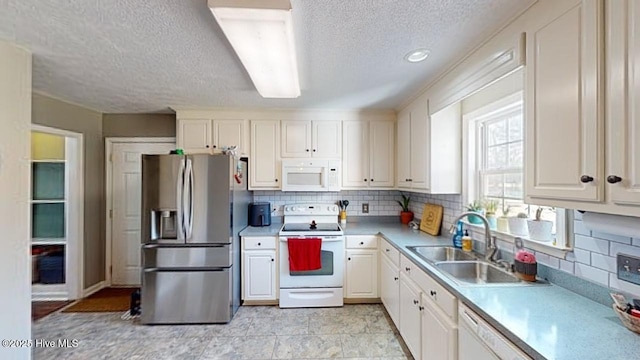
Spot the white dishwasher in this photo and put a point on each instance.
(477, 340)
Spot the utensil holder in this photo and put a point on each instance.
(526, 271)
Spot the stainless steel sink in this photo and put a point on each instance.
(435, 254)
(477, 272)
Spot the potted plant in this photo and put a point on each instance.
(518, 225)
(503, 221)
(490, 207)
(540, 229)
(475, 206)
(405, 215)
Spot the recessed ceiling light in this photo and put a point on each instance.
(417, 55)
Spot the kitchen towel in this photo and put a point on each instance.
(612, 224)
(304, 254)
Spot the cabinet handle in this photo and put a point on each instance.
(259, 244)
(276, 180)
(407, 269)
(365, 179)
(586, 179)
(272, 260)
(387, 250)
(613, 179)
(395, 278)
(207, 146)
(215, 146)
(371, 180)
(307, 150)
(407, 180)
(349, 259)
(361, 242)
(314, 150)
(410, 179)
(416, 302)
(433, 293)
(420, 308)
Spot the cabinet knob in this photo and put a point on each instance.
(433, 293)
(361, 242)
(416, 302)
(349, 259)
(613, 179)
(387, 250)
(207, 146)
(273, 260)
(307, 150)
(371, 180)
(215, 146)
(420, 308)
(365, 179)
(259, 244)
(314, 150)
(407, 269)
(586, 179)
(276, 180)
(395, 278)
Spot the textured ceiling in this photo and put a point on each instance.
(131, 56)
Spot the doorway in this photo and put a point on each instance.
(57, 214)
(123, 186)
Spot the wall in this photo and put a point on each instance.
(138, 125)
(58, 114)
(15, 170)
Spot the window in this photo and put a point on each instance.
(495, 162)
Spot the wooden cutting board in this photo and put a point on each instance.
(431, 219)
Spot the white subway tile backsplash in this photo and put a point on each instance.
(566, 266)
(591, 273)
(580, 229)
(636, 241)
(592, 244)
(624, 286)
(616, 238)
(625, 249)
(603, 262)
(582, 256)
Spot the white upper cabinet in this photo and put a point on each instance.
(264, 164)
(231, 133)
(206, 136)
(321, 139)
(194, 136)
(429, 148)
(623, 96)
(368, 154)
(564, 112)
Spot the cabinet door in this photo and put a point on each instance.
(296, 139)
(259, 269)
(194, 136)
(381, 146)
(265, 161)
(419, 144)
(410, 315)
(404, 149)
(326, 139)
(439, 335)
(564, 149)
(355, 155)
(390, 288)
(229, 133)
(362, 274)
(623, 92)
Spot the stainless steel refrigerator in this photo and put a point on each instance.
(193, 208)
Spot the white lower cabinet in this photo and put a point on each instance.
(259, 271)
(362, 273)
(439, 333)
(390, 288)
(410, 315)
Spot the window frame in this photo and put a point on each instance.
(472, 139)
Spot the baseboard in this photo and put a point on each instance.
(362, 301)
(93, 288)
(259, 302)
(49, 296)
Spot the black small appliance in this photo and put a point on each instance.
(260, 214)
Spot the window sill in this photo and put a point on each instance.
(538, 246)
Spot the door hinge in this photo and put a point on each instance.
(111, 214)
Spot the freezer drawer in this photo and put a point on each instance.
(158, 256)
(186, 297)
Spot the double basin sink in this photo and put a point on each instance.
(464, 267)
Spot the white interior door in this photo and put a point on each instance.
(126, 174)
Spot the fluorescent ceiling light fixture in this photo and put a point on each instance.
(417, 55)
(261, 33)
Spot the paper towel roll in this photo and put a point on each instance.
(612, 224)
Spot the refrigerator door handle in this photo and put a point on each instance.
(188, 200)
(179, 201)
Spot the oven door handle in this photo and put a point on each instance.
(324, 239)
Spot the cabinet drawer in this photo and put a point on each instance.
(259, 243)
(362, 242)
(390, 252)
(446, 301)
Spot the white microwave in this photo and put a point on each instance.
(310, 175)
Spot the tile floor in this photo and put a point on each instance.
(256, 332)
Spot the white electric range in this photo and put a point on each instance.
(315, 288)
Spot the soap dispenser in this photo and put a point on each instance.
(467, 242)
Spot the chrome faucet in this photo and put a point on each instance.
(490, 247)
